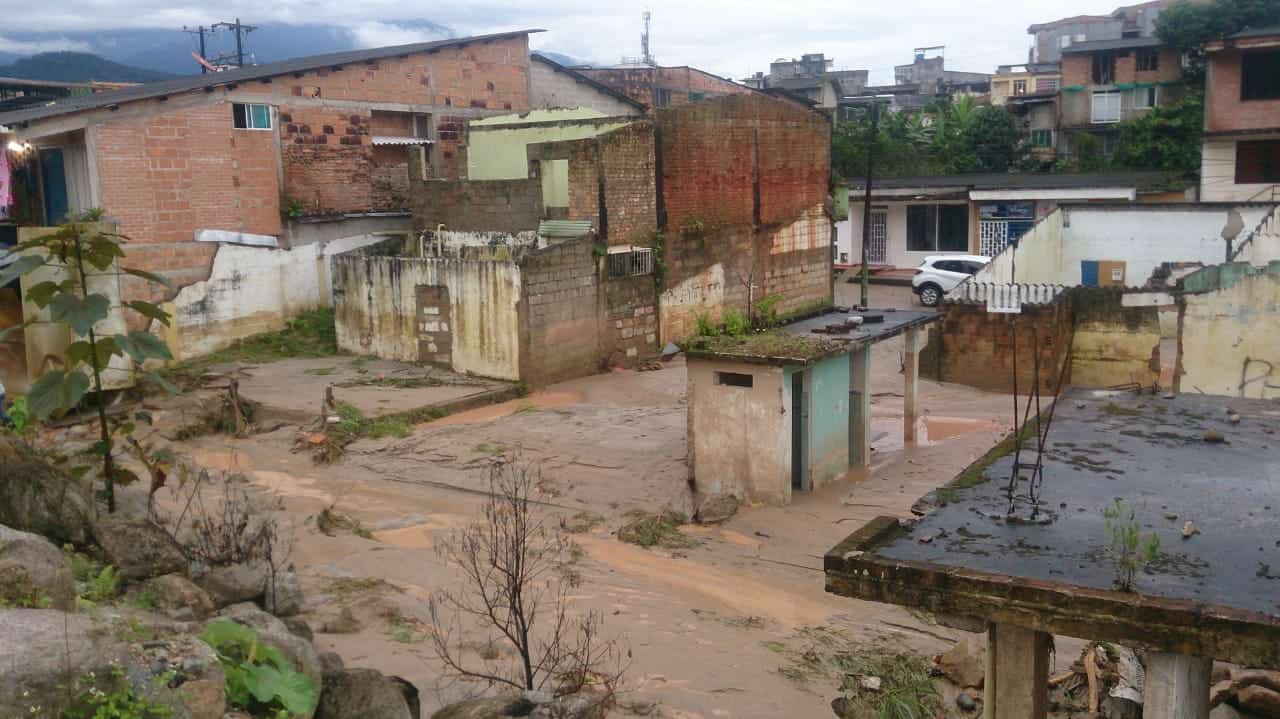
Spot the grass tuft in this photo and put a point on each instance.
(646, 529)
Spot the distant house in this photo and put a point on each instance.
(915, 217)
(237, 185)
(810, 78)
(1050, 39)
(1241, 151)
(1107, 81)
(658, 87)
(919, 83)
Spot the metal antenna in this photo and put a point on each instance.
(645, 56)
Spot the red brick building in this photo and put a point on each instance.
(279, 155)
(1241, 150)
(659, 87)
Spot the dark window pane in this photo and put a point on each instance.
(734, 379)
(1258, 161)
(239, 116)
(953, 228)
(922, 228)
(260, 117)
(1260, 76)
(1104, 68)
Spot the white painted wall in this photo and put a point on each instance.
(1218, 175)
(849, 234)
(252, 290)
(1143, 237)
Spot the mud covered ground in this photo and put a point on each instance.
(714, 630)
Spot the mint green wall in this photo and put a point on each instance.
(827, 455)
(498, 153)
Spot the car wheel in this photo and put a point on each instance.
(930, 295)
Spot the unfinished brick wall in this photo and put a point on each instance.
(163, 176)
(1224, 110)
(974, 347)
(744, 189)
(626, 158)
(683, 84)
(483, 205)
(560, 319)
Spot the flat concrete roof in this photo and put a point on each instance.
(1216, 593)
(798, 343)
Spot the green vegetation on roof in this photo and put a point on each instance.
(772, 345)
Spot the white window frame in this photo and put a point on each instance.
(1064, 42)
(1099, 118)
(630, 261)
(248, 116)
(1145, 93)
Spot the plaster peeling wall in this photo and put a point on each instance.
(1225, 329)
(376, 298)
(452, 241)
(252, 290)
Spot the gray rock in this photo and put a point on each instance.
(271, 630)
(138, 548)
(331, 662)
(174, 592)
(246, 582)
(362, 694)
(487, 708)
(1224, 711)
(583, 705)
(299, 627)
(344, 623)
(181, 672)
(965, 663)
(965, 702)
(37, 497)
(283, 597)
(1119, 708)
(33, 572)
(716, 508)
(40, 648)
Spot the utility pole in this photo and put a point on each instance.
(866, 199)
(240, 31)
(198, 31)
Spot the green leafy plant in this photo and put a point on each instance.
(63, 262)
(294, 209)
(117, 701)
(96, 582)
(659, 259)
(766, 312)
(703, 327)
(259, 678)
(21, 417)
(736, 324)
(1130, 551)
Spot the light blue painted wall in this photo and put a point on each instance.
(828, 451)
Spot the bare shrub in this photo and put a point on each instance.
(511, 584)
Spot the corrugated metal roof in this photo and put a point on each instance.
(164, 88)
(564, 228)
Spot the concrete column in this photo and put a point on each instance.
(910, 379)
(1177, 687)
(860, 408)
(1017, 681)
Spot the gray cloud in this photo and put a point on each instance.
(728, 38)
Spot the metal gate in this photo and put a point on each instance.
(878, 248)
(993, 237)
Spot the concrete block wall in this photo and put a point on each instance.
(559, 314)
(974, 347)
(630, 331)
(550, 88)
(510, 206)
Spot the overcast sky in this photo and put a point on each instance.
(728, 38)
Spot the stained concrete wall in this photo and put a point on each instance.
(1141, 236)
(1229, 346)
(252, 290)
(1114, 345)
(740, 437)
(376, 308)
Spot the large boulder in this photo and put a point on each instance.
(174, 594)
(362, 694)
(535, 705)
(1259, 700)
(271, 630)
(283, 596)
(139, 549)
(965, 664)
(41, 649)
(181, 672)
(37, 497)
(488, 708)
(33, 572)
(236, 583)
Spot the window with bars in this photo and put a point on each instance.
(631, 262)
(1148, 59)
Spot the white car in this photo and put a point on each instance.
(939, 274)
